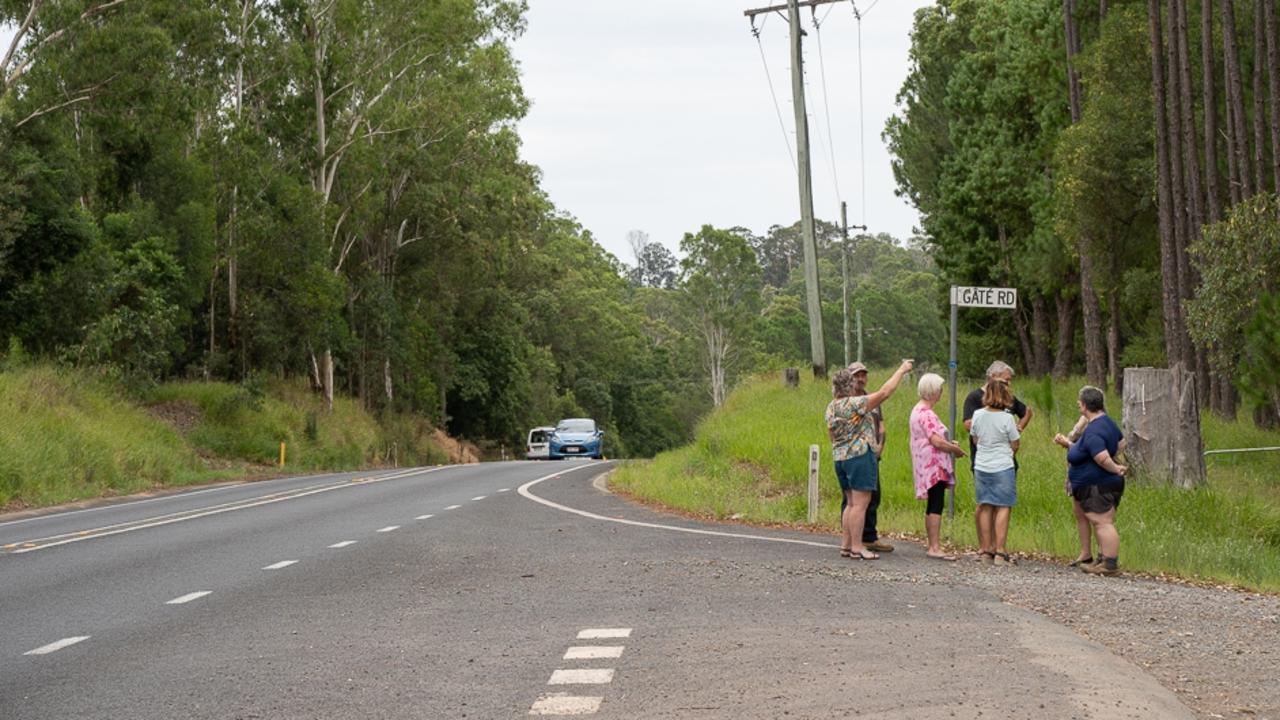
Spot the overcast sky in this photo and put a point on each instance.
(656, 115)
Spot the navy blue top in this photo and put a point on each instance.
(1100, 434)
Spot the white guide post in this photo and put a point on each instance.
(813, 484)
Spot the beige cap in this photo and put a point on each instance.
(857, 367)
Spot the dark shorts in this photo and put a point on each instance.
(858, 473)
(1098, 499)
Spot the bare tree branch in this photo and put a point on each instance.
(13, 76)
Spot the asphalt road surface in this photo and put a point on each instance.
(498, 591)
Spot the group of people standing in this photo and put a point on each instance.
(995, 419)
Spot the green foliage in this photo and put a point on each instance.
(1260, 356)
(1239, 261)
(749, 460)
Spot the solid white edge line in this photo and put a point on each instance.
(131, 503)
(188, 597)
(565, 704)
(389, 528)
(524, 490)
(280, 565)
(343, 544)
(220, 510)
(604, 633)
(581, 676)
(51, 647)
(593, 652)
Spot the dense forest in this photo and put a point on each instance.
(333, 190)
(1118, 163)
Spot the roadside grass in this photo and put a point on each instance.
(66, 436)
(237, 423)
(749, 459)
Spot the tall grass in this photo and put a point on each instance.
(66, 436)
(749, 459)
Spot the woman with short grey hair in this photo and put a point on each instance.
(932, 461)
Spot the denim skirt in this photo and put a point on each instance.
(997, 488)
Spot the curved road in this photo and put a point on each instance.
(503, 590)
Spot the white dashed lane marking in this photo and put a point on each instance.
(505, 490)
(582, 676)
(389, 528)
(598, 633)
(453, 507)
(478, 497)
(51, 647)
(343, 544)
(279, 565)
(565, 704)
(593, 652)
(424, 517)
(188, 597)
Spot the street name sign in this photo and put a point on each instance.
(984, 297)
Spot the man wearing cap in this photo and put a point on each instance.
(870, 539)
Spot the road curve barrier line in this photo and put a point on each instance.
(524, 490)
(248, 502)
(77, 536)
(129, 503)
(54, 646)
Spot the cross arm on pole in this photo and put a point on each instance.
(775, 8)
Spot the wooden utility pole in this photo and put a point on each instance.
(844, 275)
(817, 342)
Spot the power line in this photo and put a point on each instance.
(786, 139)
(826, 106)
(862, 127)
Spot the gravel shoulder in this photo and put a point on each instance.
(1216, 648)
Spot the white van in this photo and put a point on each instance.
(538, 446)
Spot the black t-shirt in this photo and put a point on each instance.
(973, 403)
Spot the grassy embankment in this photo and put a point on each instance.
(66, 435)
(750, 459)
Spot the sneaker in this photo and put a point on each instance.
(1100, 568)
(878, 546)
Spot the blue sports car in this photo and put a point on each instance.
(576, 437)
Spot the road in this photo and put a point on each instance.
(497, 591)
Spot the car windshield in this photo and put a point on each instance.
(576, 426)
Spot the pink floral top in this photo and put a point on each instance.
(929, 464)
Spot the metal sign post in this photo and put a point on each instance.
(984, 297)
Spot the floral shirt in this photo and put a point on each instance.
(929, 464)
(851, 427)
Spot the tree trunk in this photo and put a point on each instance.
(1095, 369)
(1190, 149)
(1024, 337)
(1040, 335)
(1259, 100)
(1162, 425)
(1113, 332)
(1178, 178)
(1212, 191)
(1273, 72)
(1173, 322)
(1066, 336)
(1237, 138)
(327, 378)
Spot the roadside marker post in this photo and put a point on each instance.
(282, 454)
(981, 297)
(813, 484)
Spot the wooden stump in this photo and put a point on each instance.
(791, 377)
(1162, 424)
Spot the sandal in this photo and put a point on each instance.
(846, 552)
(1081, 561)
(1001, 558)
(863, 555)
(947, 558)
